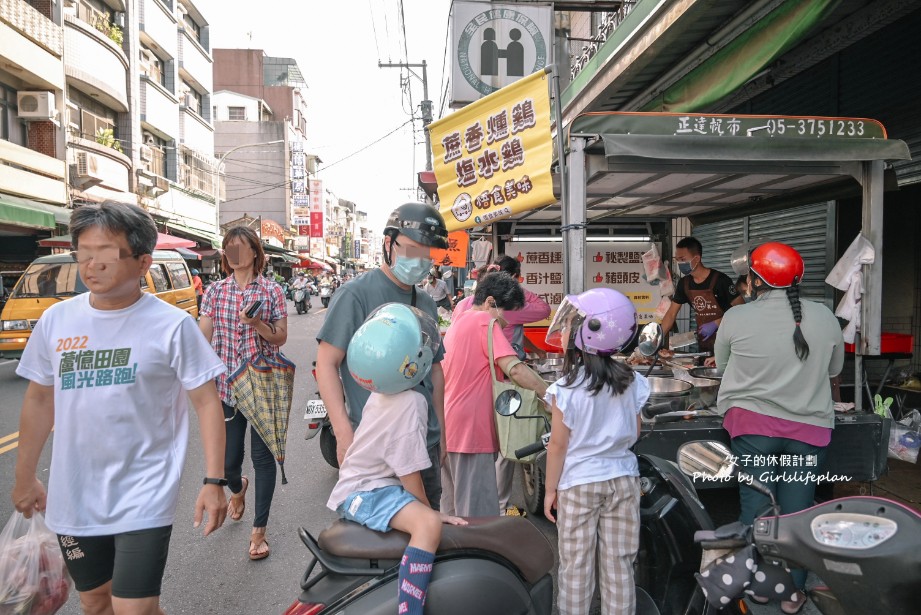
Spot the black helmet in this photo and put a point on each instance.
(420, 222)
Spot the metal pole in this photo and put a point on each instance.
(426, 104)
(564, 180)
(217, 178)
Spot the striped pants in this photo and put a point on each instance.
(602, 517)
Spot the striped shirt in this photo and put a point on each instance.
(234, 342)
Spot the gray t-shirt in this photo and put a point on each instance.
(350, 306)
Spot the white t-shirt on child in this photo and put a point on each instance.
(389, 442)
(120, 410)
(602, 430)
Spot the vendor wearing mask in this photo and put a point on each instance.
(710, 293)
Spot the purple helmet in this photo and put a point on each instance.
(599, 321)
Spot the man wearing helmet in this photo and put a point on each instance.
(778, 353)
(411, 231)
(710, 293)
(197, 285)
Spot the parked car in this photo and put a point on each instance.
(54, 278)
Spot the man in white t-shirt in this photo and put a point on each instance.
(118, 401)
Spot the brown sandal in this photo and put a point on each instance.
(256, 551)
(232, 511)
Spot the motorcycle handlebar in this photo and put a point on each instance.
(530, 449)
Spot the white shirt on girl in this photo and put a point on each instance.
(602, 430)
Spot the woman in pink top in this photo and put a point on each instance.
(535, 309)
(468, 475)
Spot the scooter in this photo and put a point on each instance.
(312, 289)
(867, 550)
(318, 423)
(301, 302)
(326, 292)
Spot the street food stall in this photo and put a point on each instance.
(636, 165)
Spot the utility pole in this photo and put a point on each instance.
(426, 104)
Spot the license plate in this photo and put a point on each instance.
(315, 409)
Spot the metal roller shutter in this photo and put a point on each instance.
(809, 229)
(719, 239)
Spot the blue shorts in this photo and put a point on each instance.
(374, 509)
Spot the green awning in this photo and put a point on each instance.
(199, 235)
(31, 214)
(736, 63)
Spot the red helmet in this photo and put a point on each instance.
(779, 265)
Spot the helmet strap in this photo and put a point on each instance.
(388, 254)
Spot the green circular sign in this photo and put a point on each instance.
(524, 27)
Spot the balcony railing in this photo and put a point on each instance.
(583, 50)
(101, 21)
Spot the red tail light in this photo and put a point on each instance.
(302, 608)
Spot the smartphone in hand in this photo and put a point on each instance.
(251, 310)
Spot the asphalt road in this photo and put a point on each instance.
(214, 574)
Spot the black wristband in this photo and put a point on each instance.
(215, 481)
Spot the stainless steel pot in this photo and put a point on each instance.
(706, 372)
(668, 387)
(706, 390)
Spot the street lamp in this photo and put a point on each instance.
(217, 177)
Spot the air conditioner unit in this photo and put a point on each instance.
(86, 171)
(36, 105)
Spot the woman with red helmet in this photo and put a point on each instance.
(778, 352)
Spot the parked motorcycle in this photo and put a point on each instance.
(493, 565)
(326, 292)
(318, 424)
(867, 550)
(301, 300)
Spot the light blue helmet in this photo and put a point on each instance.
(392, 351)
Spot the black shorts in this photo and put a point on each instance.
(133, 561)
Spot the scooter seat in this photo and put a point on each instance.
(515, 539)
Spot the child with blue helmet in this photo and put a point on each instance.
(380, 485)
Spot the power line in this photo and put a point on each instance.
(444, 62)
(366, 146)
(377, 45)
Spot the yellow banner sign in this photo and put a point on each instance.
(492, 158)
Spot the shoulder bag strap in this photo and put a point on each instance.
(492, 361)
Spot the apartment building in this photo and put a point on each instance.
(33, 174)
(260, 129)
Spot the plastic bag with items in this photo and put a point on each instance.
(905, 438)
(33, 577)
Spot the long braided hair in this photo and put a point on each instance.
(799, 340)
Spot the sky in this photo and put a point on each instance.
(351, 101)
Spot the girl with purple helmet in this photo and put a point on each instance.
(592, 475)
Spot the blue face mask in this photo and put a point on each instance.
(411, 271)
(685, 268)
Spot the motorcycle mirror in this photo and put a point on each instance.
(650, 340)
(508, 402)
(711, 460)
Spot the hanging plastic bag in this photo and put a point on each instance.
(33, 577)
(652, 263)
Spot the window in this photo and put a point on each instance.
(236, 114)
(190, 98)
(158, 275)
(193, 29)
(89, 119)
(152, 66)
(11, 128)
(179, 275)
